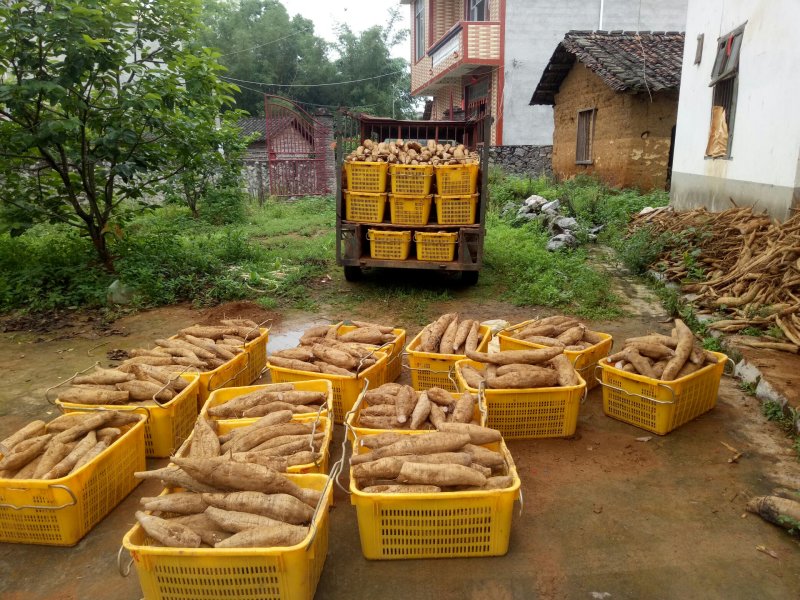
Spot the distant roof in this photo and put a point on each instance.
(624, 60)
(251, 125)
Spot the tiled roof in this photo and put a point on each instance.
(624, 60)
(252, 125)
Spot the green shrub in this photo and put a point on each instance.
(222, 206)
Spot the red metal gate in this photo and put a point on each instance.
(297, 151)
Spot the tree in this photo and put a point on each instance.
(94, 97)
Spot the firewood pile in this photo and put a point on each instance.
(742, 265)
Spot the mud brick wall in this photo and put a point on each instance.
(631, 142)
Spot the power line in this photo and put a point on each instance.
(312, 84)
(311, 103)
(267, 43)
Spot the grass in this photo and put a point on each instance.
(786, 419)
(282, 256)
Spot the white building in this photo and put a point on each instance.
(741, 56)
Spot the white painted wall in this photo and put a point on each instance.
(766, 139)
(533, 30)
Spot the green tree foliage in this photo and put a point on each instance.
(96, 97)
(260, 42)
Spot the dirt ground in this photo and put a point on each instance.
(614, 512)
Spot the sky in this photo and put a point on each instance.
(359, 15)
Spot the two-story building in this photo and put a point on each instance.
(485, 56)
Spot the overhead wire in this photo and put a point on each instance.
(291, 85)
(267, 43)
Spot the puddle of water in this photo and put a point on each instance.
(289, 334)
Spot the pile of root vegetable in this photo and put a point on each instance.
(323, 349)
(556, 331)
(455, 459)
(663, 357)
(750, 263)
(221, 502)
(413, 153)
(269, 399)
(59, 448)
(396, 406)
(154, 374)
(450, 335)
(273, 441)
(520, 369)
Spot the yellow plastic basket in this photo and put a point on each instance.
(257, 362)
(456, 210)
(429, 369)
(394, 361)
(228, 394)
(389, 245)
(659, 406)
(323, 424)
(441, 525)
(530, 412)
(411, 179)
(584, 360)
(167, 425)
(436, 247)
(354, 430)
(366, 176)
(59, 512)
(345, 389)
(364, 207)
(456, 180)
(285, 573)
(410, 210)
(234, 373)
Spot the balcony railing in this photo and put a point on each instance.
(466, 43)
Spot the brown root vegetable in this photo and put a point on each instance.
(783, 512)
(335, 357)
(173, 344)
(207, 529)
(437, 331)
(567, 376)
(25, 452)
(184, 503)
(425, 443)
(266, 537)
(472, 377)
(510, 357)
(277, 418)
(461, 335)
(143, 390)
(640, 363)
(446, 344)
(381, 422)
(168, 533)
(281, 507)
(656, 351)
(441, 397)
(90, 395)
(436, 416)
(213, 333)
(290, 363)
(173, 476)
(529, 377)
(65, 465)
(592, 337)
(404, 405)
(499, 482)
(236, 521)
(94, 421)
(439, 475)
(421, 411)
(333, 369)
(379, 410)
(364, 335)
(682, 351)
(463, 410)
(204, 440)
(303, 353)
(252, 439)
(378, 399)
(210, 346)
(224, 474)
(277, 463)
(484, 456)
(31, 430)
(102, 377)
(687, 369)
(473, 338)
(381, 439)
(543, 340)
(28, 470)
(381, 328)
(95, 451)
(571, 335)
(477, 435)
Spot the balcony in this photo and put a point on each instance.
(468, 44)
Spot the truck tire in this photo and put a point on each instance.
(469, 277)
(353, 273)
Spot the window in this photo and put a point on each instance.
(725, 84)
(476, 97)
(583, 147)
(478, 10)
(419, 29)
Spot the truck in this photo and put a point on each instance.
(352, 236)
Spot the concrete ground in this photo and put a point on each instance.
(613, 512)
